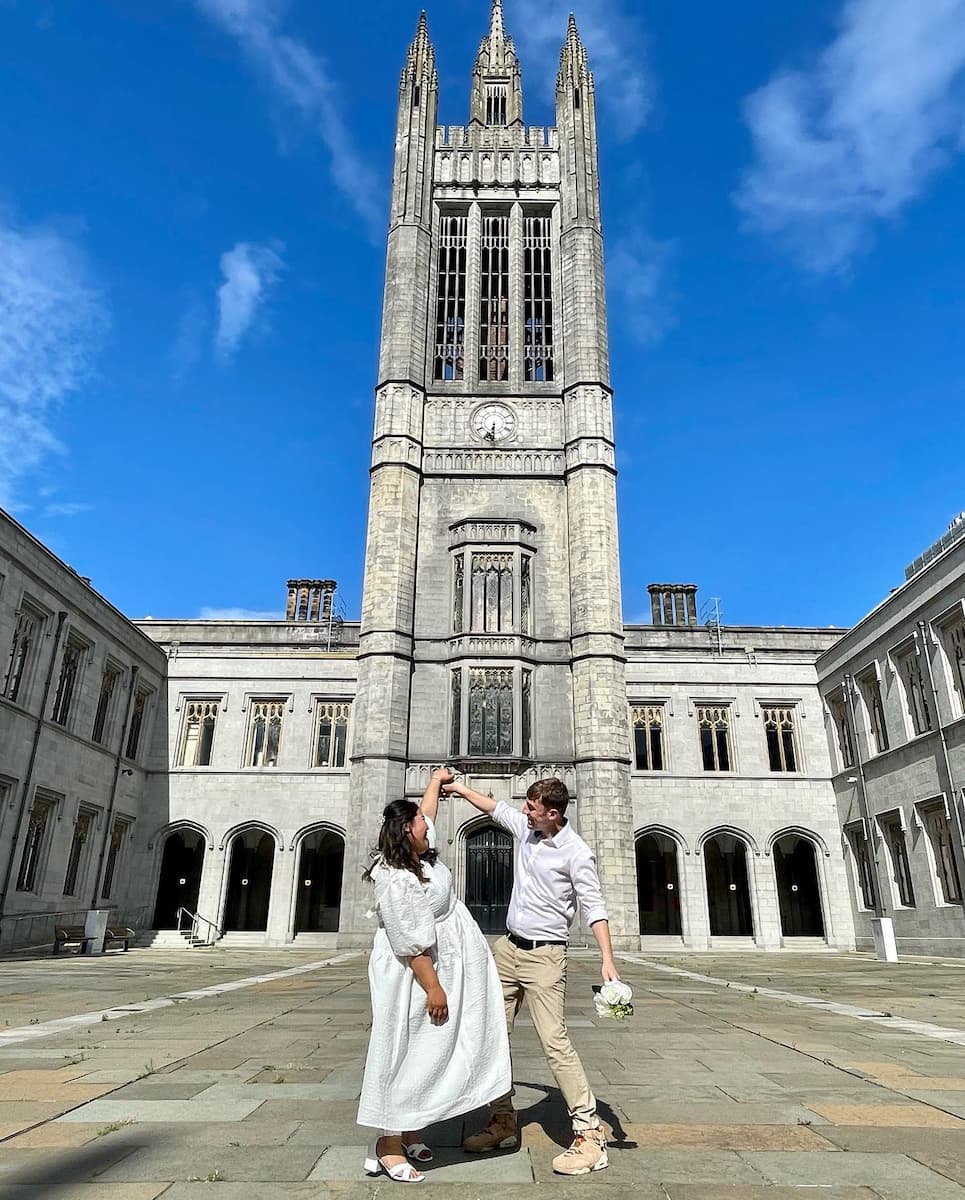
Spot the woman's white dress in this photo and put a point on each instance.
(417, 1073)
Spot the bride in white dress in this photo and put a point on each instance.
(439, 1045)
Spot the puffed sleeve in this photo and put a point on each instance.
(404, 911)
(431, 833)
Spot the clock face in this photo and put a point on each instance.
(493, 422)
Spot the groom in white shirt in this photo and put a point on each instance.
(555, 870)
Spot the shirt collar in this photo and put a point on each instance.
(559, 838)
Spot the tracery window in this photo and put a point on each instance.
(138, 711)
(28, 877)
(898, 854)
(497, 597)
(939, 833)
(197, 741)
(114, 847)
(496, 103)
(105, 699)
(647, 722)
(67, 682)
(838, 706)
(871, 695)
(953, 639)
(713, 724)
(779, 732)
(916, 699)
(538, 298)
(82, 830)
(264, 735)
(24, 647)
(451, 297)
(491, 609)
(494, 299)
(492, 713)
(862, 864)
(331, 733)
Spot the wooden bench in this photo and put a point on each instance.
(73, 935)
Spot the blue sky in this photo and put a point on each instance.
(192, 208)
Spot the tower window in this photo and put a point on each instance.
(538, 298)
(496, 96)
(713, 724)
(779, 732)
(451, 298)
(494, 300)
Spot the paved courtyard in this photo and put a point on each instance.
(221, 1074)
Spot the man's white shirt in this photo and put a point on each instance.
(552, 874)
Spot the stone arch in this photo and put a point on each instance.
(659, 899)
(797, 876)
(734, 831)
(230, 834)
(319, 868)
(181, 848)
(801, 832)
(162, 832)
(487, 861)
(250, 864)
(667, 831)
(728, 880)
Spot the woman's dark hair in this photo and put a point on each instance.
(393, 848)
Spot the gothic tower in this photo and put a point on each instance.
(492, 633)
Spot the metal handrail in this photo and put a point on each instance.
(197, 919)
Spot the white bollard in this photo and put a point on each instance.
(883, 931)
(95, 930)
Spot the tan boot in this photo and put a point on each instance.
(502, 1133)
(588, 1153)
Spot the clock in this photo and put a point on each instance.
(493, 422)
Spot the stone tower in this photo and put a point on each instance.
(492, 633)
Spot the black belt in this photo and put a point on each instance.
(526, 944)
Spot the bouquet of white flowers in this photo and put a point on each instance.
(613, 1000)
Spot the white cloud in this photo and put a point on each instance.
(614, 41)
(249, 272)
(238, 614)
(301, 81)
(637, 267)
(52, 321)
(859, 134)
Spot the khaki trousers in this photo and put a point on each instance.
(540, 976)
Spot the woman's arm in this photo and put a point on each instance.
(437, 1005)
(430, 797)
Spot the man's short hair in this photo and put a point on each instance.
(551, 793)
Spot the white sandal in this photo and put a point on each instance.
(401, 1173)
(418, 1152)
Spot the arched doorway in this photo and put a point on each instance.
(319, 882)
(179, 883)
(658, 886)
(728, 893)
(489, 877)
(250, 867)
(798, 892)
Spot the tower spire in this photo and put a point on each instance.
(497, 93)
(421, 58)
(574, 61)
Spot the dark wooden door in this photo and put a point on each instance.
(489, 877)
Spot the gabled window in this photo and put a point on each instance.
(780, 735)
(647, 722)
(713, 728)
(912, 678)
(197, 740)
(331, 733)
(67, 682)
(23, 652)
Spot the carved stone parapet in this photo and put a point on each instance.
(538, 771)
(494, 462)
(478, 532)
(487, 645)
(592, 452)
